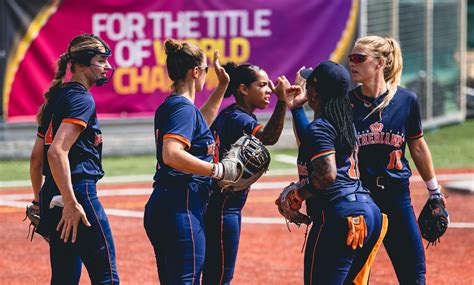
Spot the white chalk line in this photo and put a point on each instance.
(20, 201)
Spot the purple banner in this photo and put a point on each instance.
(280, 36)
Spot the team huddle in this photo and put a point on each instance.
(352, 168)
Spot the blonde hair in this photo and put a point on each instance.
(79, 43)
(389, 49)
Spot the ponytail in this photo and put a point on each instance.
(389, 49)
(230, 68)
(57, 81)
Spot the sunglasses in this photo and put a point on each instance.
(357, 58)
(205, 67)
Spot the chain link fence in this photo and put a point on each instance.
(430, 33)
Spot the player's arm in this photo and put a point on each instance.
(421, 155)
(300, 122)
(58, 160)
(36, 167)
(210, 108)
(419, 150)
(323, 174)
(176, 156)
(270, 134)
(295, 99)
(324, 171)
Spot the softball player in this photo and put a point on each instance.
(185, 148)
(387, 117)
(72, 217)
(251, 88)
(348, 227)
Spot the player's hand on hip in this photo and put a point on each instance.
(357, 231)
(222, 75)
(72, 215)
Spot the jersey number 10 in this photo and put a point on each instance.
(395, 160)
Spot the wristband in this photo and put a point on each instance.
(433, 186)
(35, 203)
(435, 193)
(217, 171)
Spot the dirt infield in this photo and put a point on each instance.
(268, 254)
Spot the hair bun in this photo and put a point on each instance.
(230, 68)
(172, 46)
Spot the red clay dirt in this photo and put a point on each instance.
(268, 254)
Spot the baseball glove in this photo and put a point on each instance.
(253, 156)
(433, 220)
(289, 204)
(33, 215)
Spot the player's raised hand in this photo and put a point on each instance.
(222, 76)
(281, 84)
(295, 96)
(299, 80)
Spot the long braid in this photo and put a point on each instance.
(337, 110)
(57, 81)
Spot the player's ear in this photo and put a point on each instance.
(381, 62)
(195, 72)
(79, 67)
(243, 89)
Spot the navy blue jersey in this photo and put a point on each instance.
(319, 140)
(231, 124)
(383, 135)
(42, 131)
(178, 118)
(73, 103)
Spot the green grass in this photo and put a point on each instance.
(129, 165)
(451, 147)
(14, 170)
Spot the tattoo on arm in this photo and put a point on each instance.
(270, 134)
(324, 172)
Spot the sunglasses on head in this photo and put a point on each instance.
(357, 58)
(205, 67)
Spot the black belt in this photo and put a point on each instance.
(382, 182)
